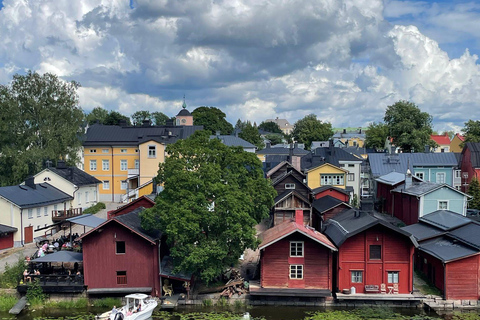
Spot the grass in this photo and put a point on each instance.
(67, 304)
(7, 301)
(207, 303)
(428, 288)
(107, 302)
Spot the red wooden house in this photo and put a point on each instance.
(326, 208)
(295, 261)
(143, 201)
(470, 163)
(340, 194)
(371, 252)
(385, 184)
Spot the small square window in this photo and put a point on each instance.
(375, 252)
(419, 175)
(289, 185)
(120, 247)
(296, 271)
(357, 276)
(351, 165)
(392, 276)
(104, 150)
(121, 277)
(442, 205)
(296, 248)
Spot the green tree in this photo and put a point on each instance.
(40, 120)
(213, 197)
(376, 134)
(275, 138)
(450, 134)
(311, 129)
(474, 191)
(160, 118)
(409, 127)
(139, 116)
(240, 124)
(471, 131)
(270, 127)
(212, 119)
(97, 114)
(250, 133)
(114, 117)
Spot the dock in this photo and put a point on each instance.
(18, 307)
(170, 302)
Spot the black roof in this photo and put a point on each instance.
(326, 203)
(445, 219)
(447, 249)
(26, 197)
(283, 151)
(287, 193)
(74, 175)
(7, 229)
(99, 135)
(474, 148)
(134, 222)
(285, 175)
(469, 234)
(351, 222)
(332, 155)
(422, 231)
(184, 112)
(323, 188)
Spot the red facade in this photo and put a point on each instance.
(385, 196)
(137, 267)
(6, 241)
(356, 256)
(405, 207)
(316, 262)
(137, 203)
(333, 193)
(467, 167)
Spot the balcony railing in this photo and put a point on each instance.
(133, 172)
(59, 215)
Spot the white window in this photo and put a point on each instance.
(441, 177)
(289, 185)
(332, 179)
(392, 276)
(93, 165)
(79, 198)
(351, 177)
(30, 213)
(95, 195)
(45, 211)
(442, 205)
(296, 248)
(123, 150)
(296, 271)
(39, 212)
(137, 164)
(93, 150)
(458, 173)
(123, 165)
(419, 175)
(55, 206)
(357, 276)
(152, 151)
(106, 185)
(105, 165)
(86, 197)
(104, 150)
(123, 185)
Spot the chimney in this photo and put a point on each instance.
(427, 149)
(290, 154)
(61, 164)
(122, 123)
(408, 179)
(30, 182)
(267, 145)
(217, 133)
(70, 173)
(146, 123)
(296, 163)
(299, 217)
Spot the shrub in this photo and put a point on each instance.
(95, 208)
(35, 295)
(67, 304)
(7, 301)
(107, 302)
(222, 302)
(12, 275)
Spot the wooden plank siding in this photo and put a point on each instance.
(6, 241)
(432, 268)
(405, 207)
(333, 193)
(300, 188)
(462, 279)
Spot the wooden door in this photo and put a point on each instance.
(28, 235)
(374, 274)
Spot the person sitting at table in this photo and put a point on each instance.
(37, 272)
(26, 276)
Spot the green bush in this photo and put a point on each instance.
(12, 275)
(95, 208)
(107, 302)
(35, 295)
(7, 301)
(67, 304)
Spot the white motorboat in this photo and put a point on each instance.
(138, 306)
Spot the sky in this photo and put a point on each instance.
(343, 60)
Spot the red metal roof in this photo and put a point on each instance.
(286, 228)
(441, 139)
(460, 136)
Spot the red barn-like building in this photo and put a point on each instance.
(143, 201)
(371, 252)
(470, 163)
(332, 191)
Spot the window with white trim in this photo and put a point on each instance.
(104, 150)
(105, 165)
(39, 212)
(458, 173)
(351, 177)
(45, 211)
(419, 175)
(93, 165)
(442, 205)
(93, 150)
(86, 197)
(392, 276)
(289, 185)
(296, 248)
(296, 271)
(137, 164)
(357, 276)
(106, 185)
(441, 177)
(95, 195)
(123, 165)
(123, 150)
(30, 213)
(123, 185)
(332, 179)
(152, 151)
(79, 198)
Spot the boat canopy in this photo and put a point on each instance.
(139, 296)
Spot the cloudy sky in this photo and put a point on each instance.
(343, 60)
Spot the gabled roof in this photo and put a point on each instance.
(459, 136)
(24, 196)
(74, 175)
(391, 178)
(332, 155)
(443, 139)
(131, 204)
(323, 188)
(447, 249)
(283, 151)
(351, 222)
(131, 221)
(327, 203)
(324, 165)
(469, 234)
(421, 188)
(288, 193)
(100, 135)
(287, 228)
(233, 141)
(445, 219)
(281, 164)
(287, 174)
(474, 148)
(423, 231)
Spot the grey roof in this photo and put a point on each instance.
(61, 256)
(26, 197)
(319, 144)
(133, 221)
(76, 176)
(282, 151)
(423, 231)
(7, 229)
(88, 220)
(419, 188)
(474, 148)
(349, 134)
(445, 219)
(332, 155)
(184, 112)
(469, 234)
(233, 141)
(391, 178)
(326, 203)
(287, 193)
(447, 249)
(383, 163)
(351, 222)
(99, 135)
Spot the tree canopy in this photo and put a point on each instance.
(97, 114)
(309, 129)
(375, 135)
(212, 119)
(114, 117)
(250, 133)
(275, 138)
(160, 118)
(40, 119)
(139, 116)
(474, 191)
(270, 127)
(472, 131)
(213, 197)
(409, 127)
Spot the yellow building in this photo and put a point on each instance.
(326, 175)
(455, 144)
(125, 158)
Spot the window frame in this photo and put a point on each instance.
(123, 185)
(137, 164)
(294, 246)
(295, 269)
(372, 256)
(332, 179)
(123, 165)
(30, 213)
(121, 274)
(39, 212)
(393, 275)
(106, 183)
(45, 211)
(117, 247)
(105, 150)
(105, 164)
(351, 177)
(93, 165)
(356, 276)
(420, 175)
(123, 150)
(439, 204)
(290, 186)
(440, 174)
(152, 151)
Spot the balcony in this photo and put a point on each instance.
(132, 173)
(60, 215)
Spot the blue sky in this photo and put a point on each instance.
(344, 61)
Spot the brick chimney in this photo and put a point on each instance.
(299, 217)
(30, 182)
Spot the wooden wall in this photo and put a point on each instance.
(6, 241)
(405, 207)
(333, 193)
(462, 279)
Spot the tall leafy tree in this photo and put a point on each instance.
(270, 127)
(275, 138)
(474, 191)
(114, 118)
(159, 118)
(375, 135)
(212, 119)
(311, 129)
(250, 133)
(139, 116)
(98, 114)
(40, 119)
(472, 131)
(213, 197)
(240, 124)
